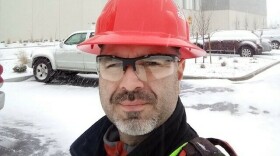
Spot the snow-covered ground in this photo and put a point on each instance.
(27, 44)
(227, 65)
(46, 119)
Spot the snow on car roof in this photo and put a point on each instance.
(268, 32)
(237, 34)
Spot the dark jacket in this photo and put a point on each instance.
(161, 141)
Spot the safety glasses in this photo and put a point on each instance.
(147, 68)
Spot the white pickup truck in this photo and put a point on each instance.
(63, 58)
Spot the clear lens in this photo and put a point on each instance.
(147, 68)
(155, 67)
(110, 68)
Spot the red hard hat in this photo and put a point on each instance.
(142, 22)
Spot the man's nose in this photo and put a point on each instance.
(130, 80)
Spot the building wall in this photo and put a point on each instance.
(215, 5)
(41, 19)
(56, 19)
(231, 14)
(228, 20)
(246, 21)
(249, 6)
(218, 20)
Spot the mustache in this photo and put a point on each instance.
(119, 97)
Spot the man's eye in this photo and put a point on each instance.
(152, 63)
(113, 65)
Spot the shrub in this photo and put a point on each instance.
(20, 68)
(8, 41)
(22, 57)
(223, 64)
(235, 61)
(220, 57)
(202, 66)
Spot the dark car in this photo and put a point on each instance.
(2, 94)
(241, 42)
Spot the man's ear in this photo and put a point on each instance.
(181, 67)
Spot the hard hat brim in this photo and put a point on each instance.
(187, 49)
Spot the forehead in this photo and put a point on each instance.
(131, 51)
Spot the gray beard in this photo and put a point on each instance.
(135, 126)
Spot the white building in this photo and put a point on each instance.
(226, 14)
(46, 19)
(55, 19)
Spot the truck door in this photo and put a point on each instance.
(90, 59)
(67, 56)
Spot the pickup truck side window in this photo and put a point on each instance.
(76, 39)
(91, 34)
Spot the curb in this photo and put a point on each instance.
(18, 79)
(241, 78)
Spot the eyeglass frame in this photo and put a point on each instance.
(126, 62)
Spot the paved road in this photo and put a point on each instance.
(36, 115)
(259, 94)
(244, 113)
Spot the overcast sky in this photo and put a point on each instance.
(273, 12)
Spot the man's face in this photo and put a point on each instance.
(137, 107)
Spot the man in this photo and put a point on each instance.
(143, 45)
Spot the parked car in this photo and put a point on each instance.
(241, 42)
(2, 94)
(266, 45)
(272, 34)
(64, 58)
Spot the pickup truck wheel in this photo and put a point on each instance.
(43, 71)
(246, 51)
(275, 45)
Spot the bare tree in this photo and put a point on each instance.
(255, 24)
(202, 23)
(237, 23)
(210, 50)
(263, 23)
(246, 25)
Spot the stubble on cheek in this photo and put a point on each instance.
(105, 92)
(162, 101)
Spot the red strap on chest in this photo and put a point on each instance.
(183, 153)
(117, 150)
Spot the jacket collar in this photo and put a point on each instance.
(161, 142)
